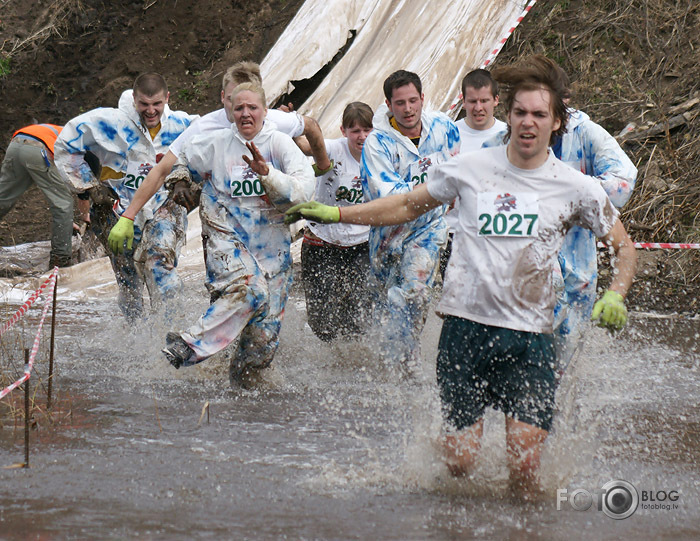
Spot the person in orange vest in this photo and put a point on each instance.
(29, 160)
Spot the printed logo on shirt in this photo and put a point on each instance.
(353, 194)
(245, 182)
(507, 214)
(135, 173)
(419, 171)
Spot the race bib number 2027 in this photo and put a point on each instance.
(507, 214)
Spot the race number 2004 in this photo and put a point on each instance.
(507, 214)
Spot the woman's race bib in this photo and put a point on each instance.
(245, 182)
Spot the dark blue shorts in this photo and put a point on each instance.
(480, 365)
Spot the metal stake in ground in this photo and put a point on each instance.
(51, 347)
(26, 410)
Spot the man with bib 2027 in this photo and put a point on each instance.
(516, 204)
(123, 145)
(396, 158)
(588, 148)
(251, 173)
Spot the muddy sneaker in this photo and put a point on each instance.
(59, 261)
(176, 349)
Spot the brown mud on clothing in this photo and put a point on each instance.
(532, 279)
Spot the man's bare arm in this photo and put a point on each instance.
(392, 210)
(620, 241)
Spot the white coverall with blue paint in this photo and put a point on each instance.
(404, 258)
(121, 143)
(248, 259)
(587, 147)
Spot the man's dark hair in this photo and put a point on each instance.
(536, 72)
(401, 78)
(149, 84)
(479, 78)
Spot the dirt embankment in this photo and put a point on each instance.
(63, 57)
(631, 62)
(638, 62)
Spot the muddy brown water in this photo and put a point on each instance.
(332, 444)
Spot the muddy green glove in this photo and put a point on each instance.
(122, 231)
(314, 212)
(610, 311)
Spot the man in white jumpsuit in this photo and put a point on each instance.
(127, 142)
(405, 143)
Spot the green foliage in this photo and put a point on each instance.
(196, 90)
(4, 67)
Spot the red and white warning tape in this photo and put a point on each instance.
(662, 245)
(667, 245)
(31, 300)
(37, 339)
(501, 43)
(497, 49)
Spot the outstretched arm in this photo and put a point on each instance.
(392, 210)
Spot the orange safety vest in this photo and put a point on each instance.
(46, 133)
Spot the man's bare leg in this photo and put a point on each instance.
(524, 443)
(461, 449)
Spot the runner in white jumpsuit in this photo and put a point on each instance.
(123, 144)
(249, 265)
(404, 258)
(587, 147)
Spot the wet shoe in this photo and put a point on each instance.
(60, 261)
(176, 350)
(250, 377)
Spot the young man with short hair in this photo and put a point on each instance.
(405, 144)
(518, 201)
(479, 101)
(588, 148)
(107, 153)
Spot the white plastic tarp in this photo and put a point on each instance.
(439, 40)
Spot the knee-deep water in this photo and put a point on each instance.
(334, 444)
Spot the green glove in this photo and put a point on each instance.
(122, 231)
(320, 172)
(610, 311)
(314, 212)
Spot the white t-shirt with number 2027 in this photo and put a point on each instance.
(511, 225)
